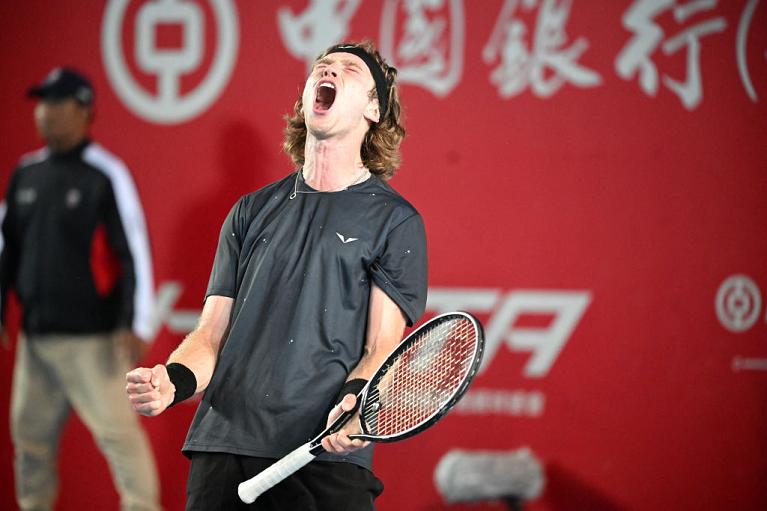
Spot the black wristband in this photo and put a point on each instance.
(183, 379)
(351, 387)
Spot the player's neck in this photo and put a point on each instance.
(332, 163)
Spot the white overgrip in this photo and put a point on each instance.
(250, 490)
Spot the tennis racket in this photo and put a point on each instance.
(414, 388)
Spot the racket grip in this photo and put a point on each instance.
(251, 489)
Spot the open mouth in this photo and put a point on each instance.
(326, 95)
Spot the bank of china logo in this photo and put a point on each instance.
(738, 303)
(168, 105)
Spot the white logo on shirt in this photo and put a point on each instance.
(73, 198)
(26, 196)
(345, 240)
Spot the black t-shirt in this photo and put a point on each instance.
(300, 272)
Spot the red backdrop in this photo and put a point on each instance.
(592, 177)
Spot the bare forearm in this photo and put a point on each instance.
(198, 353)
(199, 350)
(152, 390)
(375, 354)
(385, 327)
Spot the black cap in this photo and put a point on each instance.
(62, 83)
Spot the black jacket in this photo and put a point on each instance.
(67, 251)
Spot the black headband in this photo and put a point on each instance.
(382, 87)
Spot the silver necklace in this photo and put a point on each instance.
(364, 174)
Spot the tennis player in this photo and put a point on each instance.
(314, 280)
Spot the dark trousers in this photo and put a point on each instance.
(319, 486)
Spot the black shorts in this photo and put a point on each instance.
(319, 486)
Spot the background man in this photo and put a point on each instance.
(77, 255)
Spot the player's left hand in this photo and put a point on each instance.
(340, 443)
(130, 346)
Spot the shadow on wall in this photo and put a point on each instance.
(241, 155)
(565, 490)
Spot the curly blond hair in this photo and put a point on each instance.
(380, 147)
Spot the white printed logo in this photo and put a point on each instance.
(426, 44)
(73, 198)
(26, 196)
(635, 57)
(320, 24)
(169, 105)
(345, 240)
(738, 302)
(536, 58)
(545, 343)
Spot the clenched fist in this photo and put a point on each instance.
(150, 391)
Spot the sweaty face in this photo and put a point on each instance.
(336, 96)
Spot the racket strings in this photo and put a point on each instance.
(422, 379)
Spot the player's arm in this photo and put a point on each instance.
(386, 324)
(151, 391)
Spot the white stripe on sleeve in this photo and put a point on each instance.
(134, 225)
